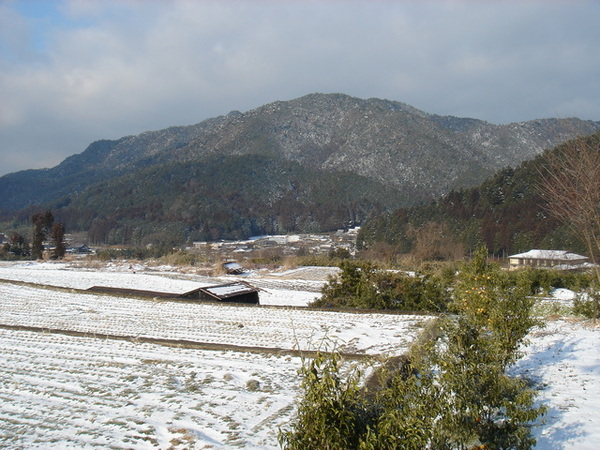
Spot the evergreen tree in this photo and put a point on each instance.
(42, 223)
(58, 239)
(18, 246)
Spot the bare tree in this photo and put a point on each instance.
(571, 186)
(433, 240)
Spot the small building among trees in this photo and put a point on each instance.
(80, 249)
(556, 259)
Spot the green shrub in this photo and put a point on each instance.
(332, 414)
(361, 284)
(587, 304)
(451, 393)
(544, 280)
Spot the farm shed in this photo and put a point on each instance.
(82, 249)
(558, 259)
(233, 268)
(238, 292)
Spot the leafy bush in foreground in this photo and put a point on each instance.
(332, 414)
(451, 393)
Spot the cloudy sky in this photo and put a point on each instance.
(75, 71)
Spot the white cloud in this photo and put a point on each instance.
(113, 68)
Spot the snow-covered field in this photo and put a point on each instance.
(277, 289)
(61, 390)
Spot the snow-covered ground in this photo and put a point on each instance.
(65, 391)
(60, 390)
(563, 360)
(207, 323)
(278, 289)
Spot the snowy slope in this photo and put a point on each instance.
(563, 359)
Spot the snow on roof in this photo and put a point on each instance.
(228, 290)
(562, 255)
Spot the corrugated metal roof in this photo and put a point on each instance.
(229, 290)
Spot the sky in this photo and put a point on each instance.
(76, 71)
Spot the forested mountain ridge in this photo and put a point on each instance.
(386, 141)
(102, 160)
(506, 212)
(190, 201)
(398, 155)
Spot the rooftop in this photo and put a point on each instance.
(561, 255)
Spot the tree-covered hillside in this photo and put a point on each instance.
(315, 163)
(222, 197)
(385, 141)
(506, 212)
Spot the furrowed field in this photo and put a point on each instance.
(78, 369)
(84, 370)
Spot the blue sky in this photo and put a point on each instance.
(75, 71)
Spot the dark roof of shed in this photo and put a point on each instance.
(223, 291)
(218, 292)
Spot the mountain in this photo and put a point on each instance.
(102, 160)
(506, 212)
(392, 148)
(386, 141)
(231, 196)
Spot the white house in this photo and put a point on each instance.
(559, 259)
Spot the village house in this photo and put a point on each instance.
(556, 259)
